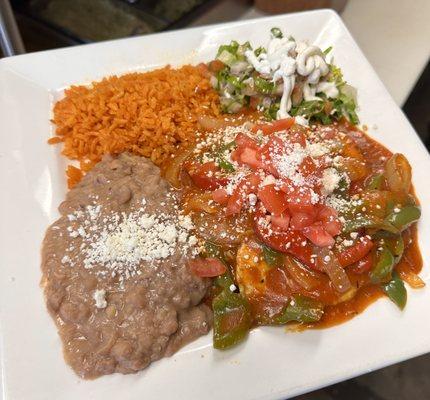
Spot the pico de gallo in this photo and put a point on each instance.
(302, 225)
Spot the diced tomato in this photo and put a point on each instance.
(301, 220)
(216, 65)
(273, 199)
(254, 180)
(327, 132)
(289, 241)
(363, 265)
(297, 137)
(299, 198)
(206, 267)
(246, 186)
(275, 126)
(205, 176)
(328, 217)
(274, 148)
(246, 151)
(235, 203)
(254, 102)
(250, 157)
(307, 167)
(235, 155)
(243, 140)
(281, 221)
(356, 252)
(318, 235)
(220, 196)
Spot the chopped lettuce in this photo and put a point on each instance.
(238, 83)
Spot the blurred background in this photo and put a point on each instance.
(393, 34)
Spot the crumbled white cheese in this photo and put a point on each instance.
(252, 198)
(330, 180)
(117, 243)
(348, 243)
(99, 298)
(317, 149)
(268, 180)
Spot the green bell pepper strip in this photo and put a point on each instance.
(405, 217)
(383, 267)
(396, 291)
(301, 309)
(232, 319)
(368, 222)
(375, 182)
(272, 257)
(394, 243)
(232, 315)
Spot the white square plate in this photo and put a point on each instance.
(271, 364)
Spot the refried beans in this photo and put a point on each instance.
(115, 270)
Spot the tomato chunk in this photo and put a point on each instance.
(281, 221)
(307, 167)
(249, 157)
(273, 200)
(216, 65)
(328, 217)
(205, 176)
(318, 235)
(356, 252)
(243, 140)
(289, 241)
(363, 265)
(206, 267)
(301, 220)
(220, 196)
(275, 126)
(246, 186)
(299, 198)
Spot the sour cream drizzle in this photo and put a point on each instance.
(286, 59)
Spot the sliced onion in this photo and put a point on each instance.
(304, 277)
(398, 173)
(212, 124)
(173, 170)
(412, 279)
(199, 202)
(328, 263)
